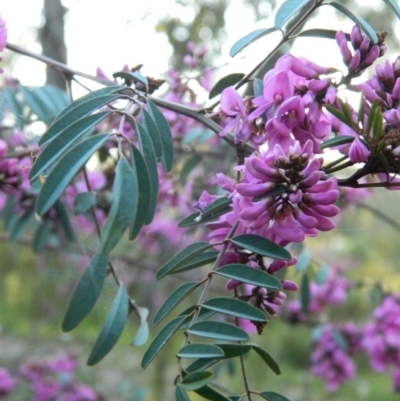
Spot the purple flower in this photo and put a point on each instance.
(358, 152)
(232, 106)
(7, 383)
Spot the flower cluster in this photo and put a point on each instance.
(331, 359)
(50, 380)
(3, 37)
(381, 338)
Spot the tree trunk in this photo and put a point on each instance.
(52, 39)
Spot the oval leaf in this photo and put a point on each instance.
(174, 300)
(149, 156)
(234, 350)
(338, 140)
(36, 104)
(180, 394)
(235, 307)
(209, 393)
(143, 333)
(87, 292)
(196, 380)
(198, 261)
(202, 363)
(200, 350)
(261, 246)
(267, 358)
(185, 255)
(152, 129)
(144, 192)
(123, 208)
(248, 39)
(74, 114)
(287, 10)
(219, 331)
(368, 30)
(112, 328)
(249, 275)
(161, 339)
(63, 142)
(225, 82)
(83, 202)
(167, 158)
(271, 396)
(63, 172)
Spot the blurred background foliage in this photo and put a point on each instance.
(35, 289)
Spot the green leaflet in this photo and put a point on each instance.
(261, 246)
(196, 380)
(267, 358)
(66, 168)
(83, 202)
(368, 30)
(142, 334)
(65, 222)
(200, 350)
(174, 300)
(337, 140)
(305, 296)
(235, 307)
(161, 339)
(249, 275)
(36, 104)
(63, 142)
(218, 330)
(112, 328)
(144, 192)
(149, 156)
(40, 237)
(152, 129)
(198, 261)
(167, 158)
(224, 83)
(209, 393)
(87, 292)
(180, 394)
(185, 255)
(21, 223)
(319, 33)
(287, 10)
(75, 113)
(271, 396)
(248, 39)
(123, 208)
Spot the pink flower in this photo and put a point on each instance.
(232, 106)
(7, 383)
(3, 34)
(358, 152)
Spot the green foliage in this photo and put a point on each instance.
(248, 39)
(218, 331)
(225, 82)
(287, 10)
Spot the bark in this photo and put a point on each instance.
(53, 40)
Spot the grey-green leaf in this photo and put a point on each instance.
(36, 104)
(63, 172)
(393, 5)
(224, 83)
(368, 30)
(174, 300)
(235, 307)
(219, 331)
(261, 246)
(196, 380)
(83, 202)
(198, 261)
(149, 156)
(123, 208)
(87, 292)
(249, 275)
(152, 129)
(336, 141)
(271, 396)
(209, 393)
(267, 358)
(287, 10)
(167, 159)
(63, 142)
(320, 33)
(248, 39)
(112, 328)
(144, 192)
(75, 113)
(200, 350)
(142, 334)
(180, 394)
(185, 255)
(161, 339)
